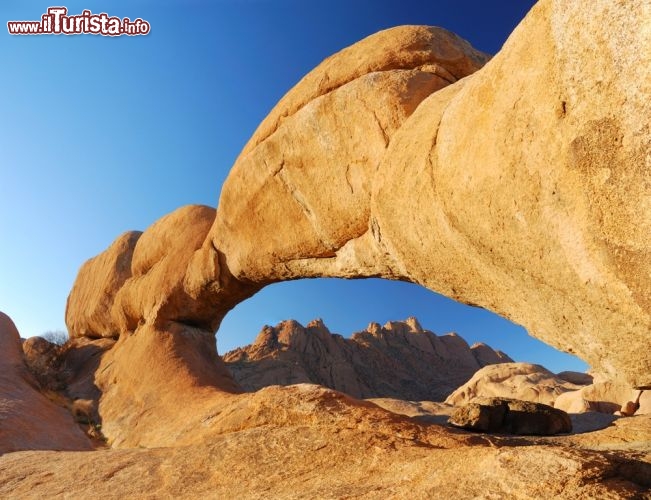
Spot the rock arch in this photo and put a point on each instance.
(517, 187)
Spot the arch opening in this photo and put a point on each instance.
(278, 337)
(347, 306)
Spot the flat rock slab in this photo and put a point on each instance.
(511, 416)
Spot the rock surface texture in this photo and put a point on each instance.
(318, 462)
(516, 211)
(511, 416)
(530, 180)
(521, 185)
(28, 419)
(513, 380)
(605, 397)
(329, 445)
(399, 360)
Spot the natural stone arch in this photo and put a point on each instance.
(525, 192)
(177, 271)
(521, 191)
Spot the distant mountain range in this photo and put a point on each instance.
(398, 360)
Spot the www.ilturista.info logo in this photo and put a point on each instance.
(57, 22)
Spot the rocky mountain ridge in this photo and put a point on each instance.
(398, 360)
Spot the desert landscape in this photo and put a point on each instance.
(519, 183)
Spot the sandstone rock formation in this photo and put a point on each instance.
(165, 291)
(399, 360)
(149, 278)
(329, 445)
(311, 165)
(522, 188)
(605, 397)
(29, 420)
(511, 416)
(317, 462)
(532, 181)
(568, 391)
(41, 358)
(522, 381)
(531, 186)
(88, 312)
(361, 227)
(576, 378)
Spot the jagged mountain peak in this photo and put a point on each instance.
(400, 359)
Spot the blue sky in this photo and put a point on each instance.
(101, 135)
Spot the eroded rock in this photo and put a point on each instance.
(317, 462)
(519, 188)
(532, 181)
(522, 381)
(511, 416)
(523, 189)
(604, 396)
(28, 419)
(310, 165)
(42, 359)
(90, 303)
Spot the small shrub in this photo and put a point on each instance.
(58, 337)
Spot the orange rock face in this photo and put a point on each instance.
(607, 397)
(522, 381)
(338, 186)
(337, 158)
(521, 186)
(89, 308)
(312, 161)
(517, 188)
(28, 420)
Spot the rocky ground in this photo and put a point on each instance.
(349, 460)
(301, 441)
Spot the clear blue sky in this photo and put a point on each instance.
(101, 135)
